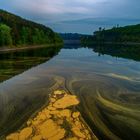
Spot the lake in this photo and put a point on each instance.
(106, 83)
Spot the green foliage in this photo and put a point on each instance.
(116, 34)
(26, 32)
(5, 35)
(24, 35)
(58, 38)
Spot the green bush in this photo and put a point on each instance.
(5, 35)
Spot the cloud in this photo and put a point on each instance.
(75, 7)
(54, 7)
(54, 11)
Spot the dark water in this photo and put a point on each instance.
(13, 63)
(108, 88)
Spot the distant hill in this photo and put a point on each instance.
(15, 30)
(71, 39)
(71, 36)
(127, 34)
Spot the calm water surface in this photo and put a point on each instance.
(107, 87)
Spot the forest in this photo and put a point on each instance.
(71, 36)
(16, 31)
(127, 34)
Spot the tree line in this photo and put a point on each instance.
(15, 30)
(116, 34)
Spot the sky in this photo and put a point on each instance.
(82, 16)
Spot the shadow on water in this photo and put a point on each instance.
(13, 63)
(115, 50)
(119, 51)
(108, 89)
(110, 104)
(19, 100)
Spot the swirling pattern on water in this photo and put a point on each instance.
(109, 106)
(108, 89)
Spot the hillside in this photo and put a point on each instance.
(125, 34)
(17, 31)
(71, 36)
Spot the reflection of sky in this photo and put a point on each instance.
(93, 13)
(71, 62)
(85, 60)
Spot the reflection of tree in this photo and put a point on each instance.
(13, 63)
(123, 51)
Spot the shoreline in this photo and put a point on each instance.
(113, 43)
(27, 47)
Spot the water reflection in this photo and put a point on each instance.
(108, 89)
(114, 50)
(120, 51)
(13, 63)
